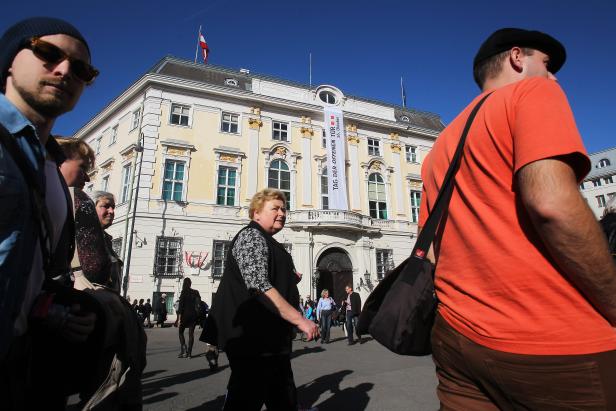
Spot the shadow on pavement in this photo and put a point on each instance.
(151, 374)
(159, 397)
(350, 398)
(157, 385)
(306, 350)
(214, 405)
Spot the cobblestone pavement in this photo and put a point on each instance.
(332, 376)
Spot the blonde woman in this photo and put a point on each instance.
(255, 309)
(325, 308)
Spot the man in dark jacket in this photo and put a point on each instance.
(353, 309)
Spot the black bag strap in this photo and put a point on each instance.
(38, 195)
(426, 236)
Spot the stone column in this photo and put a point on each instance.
(255, 123)
(395, 155)
(354, 181)
(307, 134)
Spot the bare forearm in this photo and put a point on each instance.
(284, 309)
(571, 235)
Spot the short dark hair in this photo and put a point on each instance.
(492, 66)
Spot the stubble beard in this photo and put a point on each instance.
(47, 105)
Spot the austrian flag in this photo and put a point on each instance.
(204, 48)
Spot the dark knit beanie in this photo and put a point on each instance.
(17, 36)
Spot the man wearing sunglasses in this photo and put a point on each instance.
(44, 67)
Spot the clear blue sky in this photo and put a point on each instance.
(362, 47)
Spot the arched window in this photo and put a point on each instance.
(376, 196)
(604, 162)
(324, 191)
(279, 177)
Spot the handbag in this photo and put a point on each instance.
(399, 313)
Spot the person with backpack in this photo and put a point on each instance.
(188, 310)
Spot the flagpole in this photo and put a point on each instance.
(402, 94)
(310, 70)
(197, 49)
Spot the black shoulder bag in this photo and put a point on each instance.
(400, 312)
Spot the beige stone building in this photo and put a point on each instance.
(186, 146)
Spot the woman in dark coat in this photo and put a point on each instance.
(188, 313)
(161, 312)
(255, 309)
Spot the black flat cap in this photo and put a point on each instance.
(504, 39)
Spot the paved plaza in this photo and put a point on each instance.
(331, 376)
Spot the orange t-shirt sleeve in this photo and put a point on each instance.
(544, 127)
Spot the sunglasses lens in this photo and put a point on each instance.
(83, 70)
(47, 52)
(52, 54)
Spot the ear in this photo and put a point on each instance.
(516, 57)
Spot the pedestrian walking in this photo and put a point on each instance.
(525, 282)
(189, 306)
(325, 308)
(254, 311)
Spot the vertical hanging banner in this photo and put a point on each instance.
(336, 161)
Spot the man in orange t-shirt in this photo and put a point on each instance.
(525, 282)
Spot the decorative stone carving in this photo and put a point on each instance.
(228, 158)
(394, 136)
(376, 166)
(352, 128)
(255, 123)
(255, 110)
(281, 151)
(176, 151)
(306, 120)
(353, 139)
(128, 155)
(307, 132)
(396, 148)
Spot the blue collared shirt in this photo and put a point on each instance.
(324, 304)
(18, 227)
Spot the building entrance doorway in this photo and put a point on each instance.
(335, 272)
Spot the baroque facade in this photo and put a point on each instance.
(599, 186)
(186, 146)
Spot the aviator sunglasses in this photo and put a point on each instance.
(52, 54)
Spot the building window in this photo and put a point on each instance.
(135, 119)
(374, 147)
(610, 196)
(173, 180)
(324, 190)
(376, 196)
(116, 245)
(384, 262)
(125, 183)
(105, 183)
(596, 182)
(97, 148)
(231, 82)
(220, 252)
(411, 154)
(415, 202)
(604, 162)
(168, 256)
(279, 177)
(324, 140)
(608, 180)
(327, 97)
(114, 135)
(226, 186)
(179, 114)
(280, 131)
(229, 123)
(600, 200)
